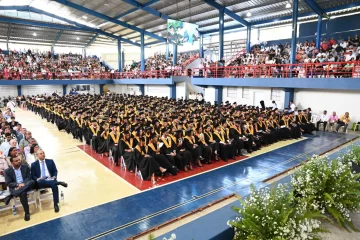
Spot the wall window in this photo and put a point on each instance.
(245, 92)
(276, 94)
(231, 92)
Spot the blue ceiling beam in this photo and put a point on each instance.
(81, 27)
(92, 40)
(231, 14)
(285, 18)
(107, 18)
(135, 9)
(314, 6)
(60, 26)
(58, 37)
(146, 8)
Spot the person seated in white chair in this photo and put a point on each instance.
(333, 119)
(44, 173)
(343, 122)
(31, 156)
(324, 118)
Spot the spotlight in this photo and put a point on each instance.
(77, 38)
(34, 34)
(288, 5)
(248, 14)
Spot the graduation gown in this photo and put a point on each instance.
(215, 146)
(235, 133)
(95, 135)
(225, 148)
(128, 156)
(285, 130)
(154, 151)
(113, 145)
(103, 143)
(147, 165)
(204, 147)
(188, 143)
(185, 155)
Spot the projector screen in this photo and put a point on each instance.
(182, 33)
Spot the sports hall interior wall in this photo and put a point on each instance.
(343, 26)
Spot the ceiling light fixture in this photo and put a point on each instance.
(248, 14)
(34, 34)
(84, 17)
(77, 38)
(288, 5)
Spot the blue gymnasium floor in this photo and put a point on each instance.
(126, 217)
(213, 225)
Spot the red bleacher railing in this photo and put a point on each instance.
(190, 60)
(237, 55)
(308, 70)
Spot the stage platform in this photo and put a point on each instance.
(131, 215)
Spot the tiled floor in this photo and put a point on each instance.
(129, 212)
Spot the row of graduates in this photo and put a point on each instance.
(179, 149)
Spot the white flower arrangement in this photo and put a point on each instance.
(273, 214)
(330, 187)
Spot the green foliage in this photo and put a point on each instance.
(151, 237)
(330, 187)
(353, 155)
(273, 214)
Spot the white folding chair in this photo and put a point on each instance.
(44, 196)
(341, 129)
(122, 163)
(31, 199)
(138, 173)
(111, 158)
(2, 196)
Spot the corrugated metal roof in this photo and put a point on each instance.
(194, 11)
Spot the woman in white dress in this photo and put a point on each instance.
(31, 157)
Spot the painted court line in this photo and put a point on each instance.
(191, 201)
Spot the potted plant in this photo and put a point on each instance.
(330, 187)
(274, 214)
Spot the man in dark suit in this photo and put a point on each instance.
(44, 173)
(18, 179)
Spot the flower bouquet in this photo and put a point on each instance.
(330, 187)
(353, 156)
(273, 214)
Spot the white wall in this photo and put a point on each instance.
(340, 101)
(209, 95)
(41, 89)
(252, 96)
(157, 90)
(181, 90)
(6, 91)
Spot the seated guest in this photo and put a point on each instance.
(12, 143)
(31, 156)
(27, 148)
(343, 121)
(15, 152)
(333, 119)
(44, 173)
(18, 179)
(6, 144)
(324, 118)
(25, 141)
(20, 132)
(3, 166)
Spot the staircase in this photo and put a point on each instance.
(235, 56)
(189, 61)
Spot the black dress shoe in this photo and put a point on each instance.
(234, 158)
(27, 217)
(64, 184)
(56, 208)
(7, 199)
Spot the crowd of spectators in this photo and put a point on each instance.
(30, 64)
(159, 66)
(334, 58)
